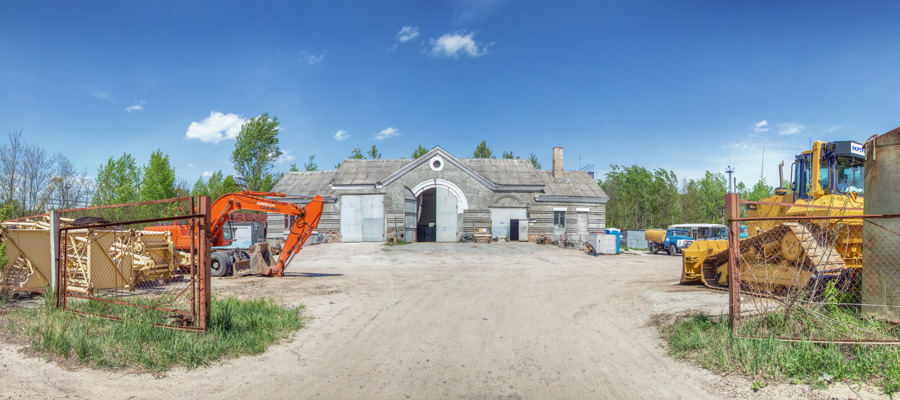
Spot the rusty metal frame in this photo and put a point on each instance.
(732, 202)
(199, 286)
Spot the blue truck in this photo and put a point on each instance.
(672, 241)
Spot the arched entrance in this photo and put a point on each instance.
(439, 204)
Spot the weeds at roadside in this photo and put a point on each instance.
(396, 243)
(237, 327)
(709, 343)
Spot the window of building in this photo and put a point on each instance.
(559, 219)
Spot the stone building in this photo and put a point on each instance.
(440, 198)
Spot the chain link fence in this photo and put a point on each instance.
(145, 262)
(826, 274)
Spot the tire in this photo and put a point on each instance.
(218, 265)
(673, 251)
(653, 248)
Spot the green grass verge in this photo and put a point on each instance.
(237, 327)
(710, 344)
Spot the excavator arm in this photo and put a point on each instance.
(307, 219)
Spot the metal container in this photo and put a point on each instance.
(881, 247)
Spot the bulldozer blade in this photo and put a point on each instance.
(260, 261)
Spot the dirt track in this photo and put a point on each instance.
(498, 321)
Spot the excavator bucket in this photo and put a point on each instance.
(260, 261)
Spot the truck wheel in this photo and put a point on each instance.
(673, 251)
(218, 265)
(653, 249)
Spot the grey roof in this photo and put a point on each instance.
(367, 172)
(306, 183)
(505, 171)
(576, 184)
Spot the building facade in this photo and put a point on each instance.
(440, 198)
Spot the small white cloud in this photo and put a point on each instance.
(100, 94)
(134, 107)
(454, 44)
(191, 165)
(790, 128)
(216, 128)
(386, 134)
(341, 135)
(207, 174)
(407, 33)
(312, 58)
(285, 157)
(761, 126)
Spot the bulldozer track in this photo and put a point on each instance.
(787, 246)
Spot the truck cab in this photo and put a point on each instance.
(673, 243)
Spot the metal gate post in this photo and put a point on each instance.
(732, 200)
(204, 250)
(54, 254)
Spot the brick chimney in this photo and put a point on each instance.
(558, 163)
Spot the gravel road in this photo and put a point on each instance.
(438, 321)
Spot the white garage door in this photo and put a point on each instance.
(362, 218)
(446, 216)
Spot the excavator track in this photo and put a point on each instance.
(790, 255)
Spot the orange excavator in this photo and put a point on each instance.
(225, 261)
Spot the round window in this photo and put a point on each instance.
(437, 164)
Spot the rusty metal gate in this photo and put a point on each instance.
(144, 262)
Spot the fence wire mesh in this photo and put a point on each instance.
(145, 262)
(826, 275)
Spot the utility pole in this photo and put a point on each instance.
(729, 171)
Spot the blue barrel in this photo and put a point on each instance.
(617, 233)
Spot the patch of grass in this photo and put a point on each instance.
(237, 327)
(710, 344)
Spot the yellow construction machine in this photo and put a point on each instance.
(826, 180)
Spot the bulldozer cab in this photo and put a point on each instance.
(829, 168)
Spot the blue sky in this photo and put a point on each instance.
(685, 86)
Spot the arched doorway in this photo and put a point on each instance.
(439, 204)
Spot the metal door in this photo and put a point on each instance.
(513, 230)
(446, 216)
(373, 218)
(351, 218)
(409, 216)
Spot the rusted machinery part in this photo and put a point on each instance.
(801, 245)
(89, 220)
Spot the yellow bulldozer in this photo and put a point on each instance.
(826, 180)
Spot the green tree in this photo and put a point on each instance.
(118, 181)
(534, 161)
(268, 182)
(356, 154)
(483, 151)
(294, 167)
(640, 198)
(419, 152)
(311, 165)
(214, 187)
(158, 178)
(373, 153)
(509, 155)
(256, 149)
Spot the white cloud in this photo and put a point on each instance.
(761, 126)
(191, 165)
(136, 105)
(100, 94)
(216, 128)
(454, 44)
(285, 157)
(341, 135)
(207, 174)
(312, 58)
(407, 33)
(790, 128)
(386, 134)
(832, 128)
